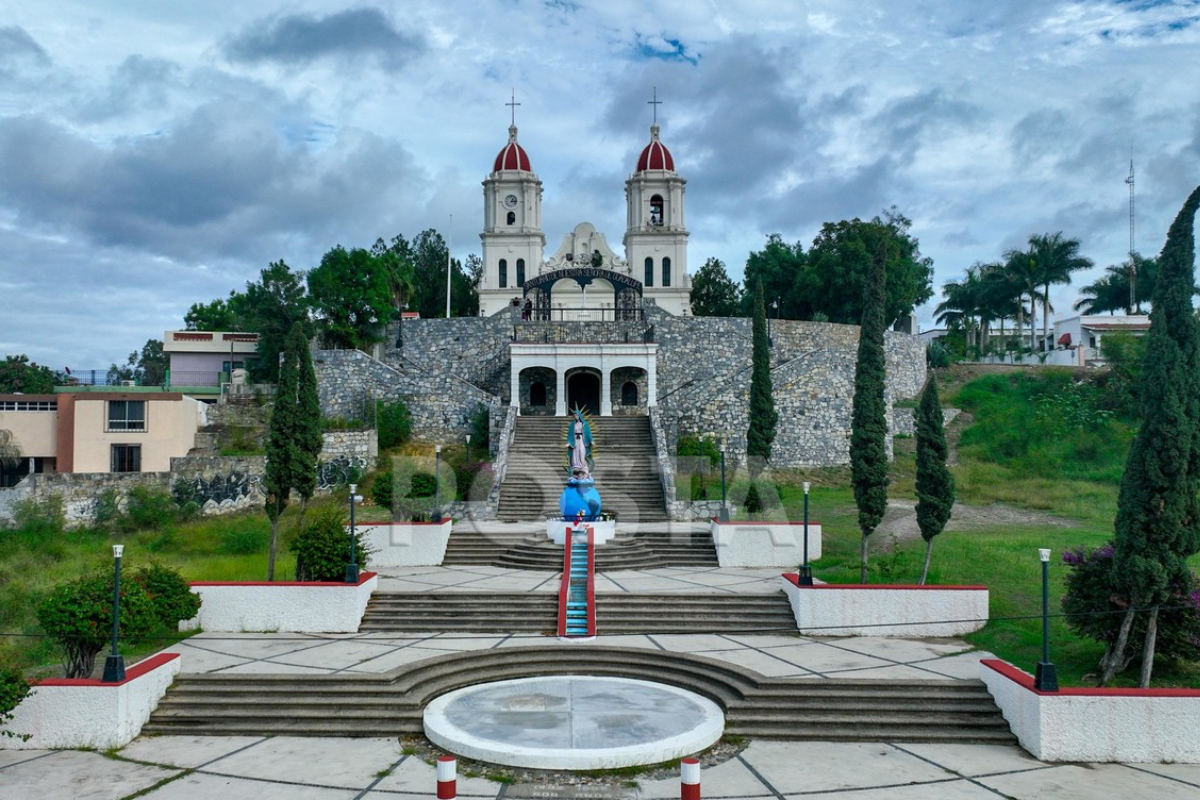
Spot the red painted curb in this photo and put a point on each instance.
(1025, 680)
(362, 578)
(139, 669)
(795, 579)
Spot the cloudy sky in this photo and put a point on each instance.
(153, 154)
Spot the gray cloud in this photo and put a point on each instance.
(17, 46)
(298, 39)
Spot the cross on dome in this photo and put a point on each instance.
(512, 156)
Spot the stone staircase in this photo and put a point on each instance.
(626, 469)
(625, 551)
(537, 612)
(392, 704)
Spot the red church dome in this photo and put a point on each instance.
(656, 155)
(512, 156)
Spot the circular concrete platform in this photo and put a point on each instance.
(573, 722)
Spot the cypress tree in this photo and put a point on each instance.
(308, 419)
(1157, 525)
(935, 484)
(763, 417)
(283, 451)
(868, 425)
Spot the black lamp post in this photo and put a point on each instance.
(774, 310)
(724, 516)
(114, 665)
(437, 485)
(1046, 679)
(468, 448)
(352, 564)
(806, 578)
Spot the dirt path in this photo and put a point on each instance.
(900, 522)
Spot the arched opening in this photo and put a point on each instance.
(583, 391)
(656, 210)
(666, 281)
(512, 218)
(649, 271)
(520, 272)
(537, 394)
(538, 390)
(629, 394)
(504, 273)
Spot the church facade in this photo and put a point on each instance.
(584, 279)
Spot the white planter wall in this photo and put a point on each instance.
(1148, 726)
(66, 713)
(283, 607)
(764, 544)
(602, 530)
(878, 610)
(406, 544)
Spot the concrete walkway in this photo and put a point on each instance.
(668, 580)
(285, 768)
(771, 655)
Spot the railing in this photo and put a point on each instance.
(597, 314)
(181, 377)
(92, 377)
(577, 591)
(635, 332)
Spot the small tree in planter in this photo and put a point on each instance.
(172, 599)
(323, 547)
(78, 615)
(935, 484)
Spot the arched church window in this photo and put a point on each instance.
(537, 394)
(666, 272)
(629, 394)
(520, 272)
(656, 210)
(649, 271)
(504, 273)
(512, 218)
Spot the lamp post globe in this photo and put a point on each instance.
(352, 564)
(114, 664)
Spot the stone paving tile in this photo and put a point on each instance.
(196, 659)
(794, 767)
(694, 643)
(1092, 782)
(337, 762)
(186, 751)
(903, 650)
(891, 672)
(335, 655)
(964, 667)
(765, 641)
(419, 778)
(202, 786)
(77, 775)
(1180, 772)
(949, 790)
(731, 779)
(10, 757)
(764, 664)
(824, 659)
(975, 759)
(273, 668)
(450, 642)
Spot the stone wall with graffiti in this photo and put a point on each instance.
(216, 484)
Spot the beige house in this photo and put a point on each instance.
(97, 432)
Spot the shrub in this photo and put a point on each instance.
(147, 508)
(937, 355)
(1096, 607)
(423, 485)
(13, 689)
(170, 594)
(393, 422)
(481, 428)
(78, 616)
(39, 521)
(323, 548)
(696, 446)
(381, 488)
(467, 475)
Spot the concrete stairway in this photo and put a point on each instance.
(626, 469)
(468, 547)
(615, 613)
(392, 704)
(625, 551)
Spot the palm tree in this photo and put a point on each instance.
(1002, 295)
(1110, 292)
(1054, 259)
(964, 306)
(1021, 266)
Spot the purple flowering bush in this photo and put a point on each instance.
(1089, 589)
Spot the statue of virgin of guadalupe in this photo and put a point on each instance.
(579, 445)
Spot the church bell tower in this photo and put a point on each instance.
(655, 234)
(512, 236)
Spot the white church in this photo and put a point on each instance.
(584, 279)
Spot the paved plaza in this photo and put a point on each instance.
(285, 768)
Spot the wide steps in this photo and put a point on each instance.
(391, 705)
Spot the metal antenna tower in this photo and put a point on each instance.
(1133, 303)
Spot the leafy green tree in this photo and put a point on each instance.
(763, 417)
(1158, 514)
(1055, 258)
(427, 254)
(308, 419)
(935, 484)
(713, 293)
(393, 423)
(868, 425)
(1022, 272)
(352, 292)
(219, 315)
(323, 548)
(1110, 292)
(777, 267)
(19, 374)
(78, 616)
(839, 265)
(284, 454)
(148, 366)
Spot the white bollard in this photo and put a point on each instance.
(689, 779)
(447, 778)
